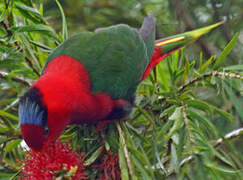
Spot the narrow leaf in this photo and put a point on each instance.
(11, 145)
(233, 97)
(37, 28)
(64, 23)
(123, 164)
(93, 157)
(8, 115)
(30, 13)
(226, 51)
(234, 67)
(203, 67)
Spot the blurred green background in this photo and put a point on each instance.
(173, 17)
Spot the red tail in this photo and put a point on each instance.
(166, 46)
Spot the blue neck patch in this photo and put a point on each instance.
(31, 108)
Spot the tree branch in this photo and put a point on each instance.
(31, 66)
(15, 79)
(214, 73)
(234, 134)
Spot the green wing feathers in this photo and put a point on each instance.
(116, 57)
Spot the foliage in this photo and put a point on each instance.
(186, 121)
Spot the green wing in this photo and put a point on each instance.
(115, 57)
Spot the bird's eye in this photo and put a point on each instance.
(46, 131)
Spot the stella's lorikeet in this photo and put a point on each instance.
(93, 76)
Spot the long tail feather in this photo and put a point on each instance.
(166, 46)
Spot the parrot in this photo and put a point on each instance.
(92, 77)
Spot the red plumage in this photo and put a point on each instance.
(71, 101)
(157, 57)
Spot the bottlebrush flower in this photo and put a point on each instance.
(55, 161)
(110, 167)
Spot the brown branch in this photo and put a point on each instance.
(2, 153)
(9, 33)
(15, 79)
(31, 66)
(6, 4)
(231, 135)
(214, 73)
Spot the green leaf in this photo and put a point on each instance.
(3, 15)
(226, 51)
(6, 175)
(11, 145)
(123, 164)
(93, 157)
(136, 132)
(203, 67)
(177, 116)
(42, 46)
(146, 161)
(237, 103)
(64, 23)
(221, 168)
(8, 115)
(31, 52)
(37, 28)
(156, 154)
(203, 120)
(204, 106)
(30, 13)
(3, 139)
(173, 158)
(162, 77)
(186, 70)
(141, 168)
(224, 114)
(168, 111)
(234, 68)
(146, 114)
(162, 132)
(199, 104)
(3, 129)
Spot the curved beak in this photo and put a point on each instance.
(33, 135)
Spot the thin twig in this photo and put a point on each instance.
(231, 135)
(6, 4)
(214, 73)
(9, 33)
(31, 66)
(15, 79)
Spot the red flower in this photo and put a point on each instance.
(55, 160)
(109, 168)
